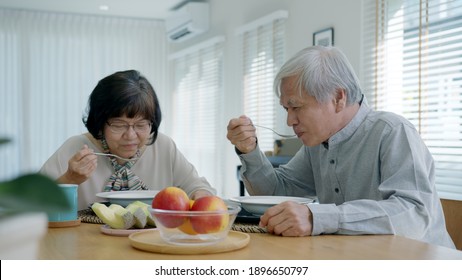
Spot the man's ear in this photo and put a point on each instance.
(340, 100)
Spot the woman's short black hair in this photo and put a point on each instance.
(124, 93)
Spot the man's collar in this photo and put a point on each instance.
(351, 127)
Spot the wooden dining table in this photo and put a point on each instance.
(87, 242)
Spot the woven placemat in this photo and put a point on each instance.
(88, 216)
(249, 228)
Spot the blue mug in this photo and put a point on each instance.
(70, 190)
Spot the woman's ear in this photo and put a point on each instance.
(340, 100)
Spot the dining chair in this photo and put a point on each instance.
(453, 216)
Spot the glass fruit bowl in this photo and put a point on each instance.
(194, 227)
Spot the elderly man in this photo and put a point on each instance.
(370, 170)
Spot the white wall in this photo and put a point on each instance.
(305, 17)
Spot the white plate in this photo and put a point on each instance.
(121, 232)
(124, 198)
(257, 205)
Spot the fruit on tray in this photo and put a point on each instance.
(213, 222)
(145, 208)
(186, 227)
(141, 219)
(138, 215)
(124, 212)
(115, 217)
(171, 198)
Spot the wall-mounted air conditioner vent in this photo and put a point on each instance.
(188, 21)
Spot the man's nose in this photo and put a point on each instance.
(291, 118)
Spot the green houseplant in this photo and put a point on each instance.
(24, 202)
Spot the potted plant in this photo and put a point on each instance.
(24, 202)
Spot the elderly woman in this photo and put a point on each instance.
(123, 118)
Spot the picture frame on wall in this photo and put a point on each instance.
(324, 37)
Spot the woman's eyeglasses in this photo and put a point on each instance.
(119, 127)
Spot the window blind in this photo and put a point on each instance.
(198, 106)
(412, 65)
(262, 43)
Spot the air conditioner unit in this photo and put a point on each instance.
(188, 21)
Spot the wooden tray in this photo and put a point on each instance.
(152, 242)
(121, 232)
(64, 224)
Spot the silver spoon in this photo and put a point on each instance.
(275, 132)
(116, 156)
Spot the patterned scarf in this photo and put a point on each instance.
(123, 179)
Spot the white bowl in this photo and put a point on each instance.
(177, 227)
(123, 198)
(257, 205)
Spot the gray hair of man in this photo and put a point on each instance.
(321, 72)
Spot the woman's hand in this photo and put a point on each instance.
(80, 167)
(200, 193)
(288, 219)
(241, 133)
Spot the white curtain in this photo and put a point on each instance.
(262, 45)
(197, 74)
(412, 65)
(51, 62)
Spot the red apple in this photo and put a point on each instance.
(171, 198)
(209, 223)
(187, 226)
